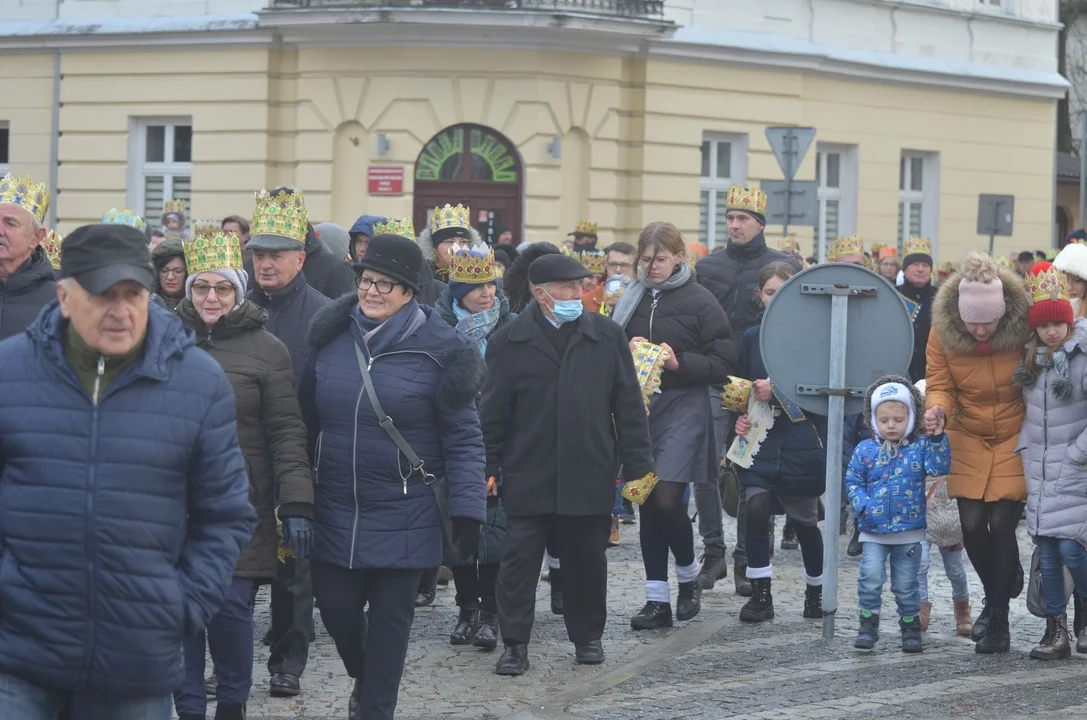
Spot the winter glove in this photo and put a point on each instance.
(298, 531)
(465, 539)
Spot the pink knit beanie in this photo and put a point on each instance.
(981, 302)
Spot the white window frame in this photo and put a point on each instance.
(714, 185)
(928, 197)
(845, 193)
(5, 125)
(139, 168)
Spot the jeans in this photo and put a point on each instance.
(230, 638)
(954, 568)
(905, 563)
(1055, 554)
(617, 509)
(25, 701)
(707, 496)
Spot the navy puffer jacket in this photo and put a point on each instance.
(792, 460)
(365, 514)
(121, 523)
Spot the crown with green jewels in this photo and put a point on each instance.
(282, 215)
(124, 217)
(24, 192)
(449, 217)
(211, 253)
(51, 246)
(396, 226)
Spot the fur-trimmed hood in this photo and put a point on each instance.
(1013, 330)
(427, 246)
(918, 404)
(463, 369)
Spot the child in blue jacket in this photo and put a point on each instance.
(886, 486)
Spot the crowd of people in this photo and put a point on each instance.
(194, 410)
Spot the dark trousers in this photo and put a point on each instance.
(475, 585)
(229, 636)
(374, 655)
(292, 617)
(582, 543)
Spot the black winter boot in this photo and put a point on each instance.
(654, 616)
(467, 624)
(981, 625)
(868, 631)
(998, 638)
(789, 541)
(229, 712)
(911, 634)
(556, 592)
(428, 588)
(487, 635)
(689, 600)
(739, 577)
(813, 601)
(761, 605)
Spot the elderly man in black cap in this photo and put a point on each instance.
(561, 411)
(126, 497)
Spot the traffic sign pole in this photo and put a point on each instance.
(839, 322)
(789, 138)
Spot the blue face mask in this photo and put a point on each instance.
(566, 310)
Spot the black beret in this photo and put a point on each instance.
(556, 268)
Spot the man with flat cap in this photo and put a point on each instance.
(561, 412)
(125, 496)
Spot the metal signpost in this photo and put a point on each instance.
(995, 216)
(789, 145)
(822, 356)
(798, 198)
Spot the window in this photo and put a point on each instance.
(918, 193)
(724, 164)
(160, 164)
(5, 135)
(836, 176)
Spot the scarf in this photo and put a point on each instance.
(1062, 386)
(380, 337)
(477, 326)
(628, 303)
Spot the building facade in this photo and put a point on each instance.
(540, 113)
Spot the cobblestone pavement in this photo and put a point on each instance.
(711, 667)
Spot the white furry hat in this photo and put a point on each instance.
(1073, 259)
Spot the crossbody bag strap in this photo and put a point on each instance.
(386, 422)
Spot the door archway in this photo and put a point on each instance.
(475, 166)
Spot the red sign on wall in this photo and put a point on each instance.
(386, 180)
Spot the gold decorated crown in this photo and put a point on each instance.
(205, 228)
(876, 247)
(24, 192)
(852, 245)
(124, 217)
(282, 215)
(746, 199)
(449, 217)
(585, 228)
(917, 246)
(594, 261)
(51, 245)
(1047, 284)
(790, 243)
(210, 253)
(173, 206)
(736, 394)
(396, 226)
(474, 267)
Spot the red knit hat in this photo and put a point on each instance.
(1048, 289)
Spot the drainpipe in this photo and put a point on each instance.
(54, 140)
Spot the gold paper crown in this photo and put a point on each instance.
(449, 217)
(124, 217)
(790, 243)
(1047, 284)
(209, 253)
(585, 228)
(174, 206)
(282, 215)
(473, 267)
(51, 245)
(396, 226)
(852, 245)
(917, 246)
(736, 394)
(24, 192)
(205, 228)
(876, 247)
(594, 261)
(746, 199)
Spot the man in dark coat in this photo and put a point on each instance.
(26, 277)
(126, 499)
(327, 274)
(558, 441)
(733, 277)
(280, 254)
(918, 288)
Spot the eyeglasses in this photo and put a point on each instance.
(222, 290)
(174, 272)
(620, 266)
(384, 287)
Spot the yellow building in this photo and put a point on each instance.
(539, 115)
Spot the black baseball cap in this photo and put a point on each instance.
(556, 267)
(100, 256)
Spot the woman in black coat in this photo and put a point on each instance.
(667, 307)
